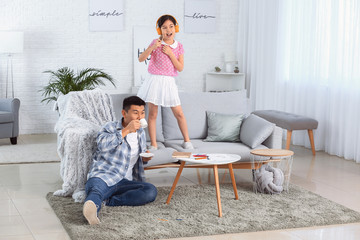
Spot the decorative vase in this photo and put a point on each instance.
(228, 67)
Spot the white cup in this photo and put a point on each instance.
(143, 123)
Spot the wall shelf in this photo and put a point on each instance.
(225, 73)
(224, 81)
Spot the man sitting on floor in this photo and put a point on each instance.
(116, 176)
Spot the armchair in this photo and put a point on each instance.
(9, 118)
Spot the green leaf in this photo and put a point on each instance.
(64, 80)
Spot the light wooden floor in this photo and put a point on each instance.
(25, 213)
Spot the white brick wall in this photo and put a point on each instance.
(56, 35)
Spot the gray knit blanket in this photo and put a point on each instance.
(82, 114)
(269, 180)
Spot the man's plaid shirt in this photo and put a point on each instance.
(112, 157)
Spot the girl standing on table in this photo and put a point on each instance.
(167, 59)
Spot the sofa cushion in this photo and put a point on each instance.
(118, 99)
(223, 127)
(215, 147)
(161, 156)
(255, 130)
(195, 105)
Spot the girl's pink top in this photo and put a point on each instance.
(160, 63)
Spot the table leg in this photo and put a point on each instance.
(209, 176)
(175, 181)
(231, 171)
(216, 176)
(198, 175)
(223, 177)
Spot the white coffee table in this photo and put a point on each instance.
(213, 162)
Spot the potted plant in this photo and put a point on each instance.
(217, 69)
(65, 80)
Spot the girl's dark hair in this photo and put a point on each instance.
(163, 18)
(132, 100)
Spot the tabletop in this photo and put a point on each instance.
(214, 159)
(272, 152)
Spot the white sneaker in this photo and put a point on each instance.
(187, 145)
(90, 212)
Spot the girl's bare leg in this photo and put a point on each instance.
(153, 111)
(180, 117)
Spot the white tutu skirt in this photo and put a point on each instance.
(160, 90)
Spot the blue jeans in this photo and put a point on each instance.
(124, 193)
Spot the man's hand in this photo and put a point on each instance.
(146, 159)
(131, 127)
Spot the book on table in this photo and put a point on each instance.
(200, 156)
(189, 155)
(181, 154)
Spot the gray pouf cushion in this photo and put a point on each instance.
(286, 120)
(269, 180)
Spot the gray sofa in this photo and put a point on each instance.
(9, 118)
(82, 115)
(195, 107)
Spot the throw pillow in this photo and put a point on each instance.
(255, 130)
(223, 127)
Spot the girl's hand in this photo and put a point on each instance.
(143, 56)
(157, 44)
(167, 50)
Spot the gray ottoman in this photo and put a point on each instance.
(290, 122)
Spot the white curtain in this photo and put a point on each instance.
(304, 57)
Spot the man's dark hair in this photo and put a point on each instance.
(132, 100)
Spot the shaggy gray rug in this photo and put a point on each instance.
(193, 212)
